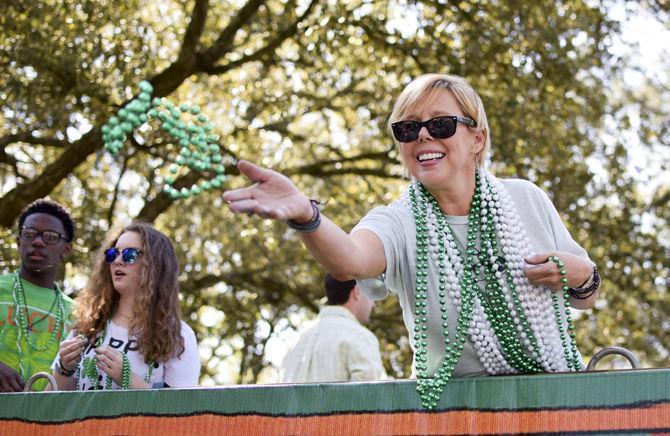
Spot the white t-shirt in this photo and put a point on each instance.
(394, 226)
(181, 371)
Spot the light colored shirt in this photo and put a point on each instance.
(178, 372)
(394, 226)
(338, 348)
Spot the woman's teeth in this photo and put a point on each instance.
(429, 156)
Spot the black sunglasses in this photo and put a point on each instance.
(128, 255)
(439, 127)
(48, 236)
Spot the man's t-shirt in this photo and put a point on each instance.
(42, 316)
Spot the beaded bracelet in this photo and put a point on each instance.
(310, 225)
(584, 293)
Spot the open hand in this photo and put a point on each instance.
(273, 195)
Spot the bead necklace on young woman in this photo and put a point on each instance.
(24, 327)
(513, 328)
(89, 369)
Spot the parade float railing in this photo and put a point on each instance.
(605, 402)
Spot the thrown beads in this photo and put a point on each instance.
(200, 150)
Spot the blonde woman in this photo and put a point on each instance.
(128, 332)
(485, 270)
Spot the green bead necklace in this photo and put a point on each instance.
(430, 389)
(574, 363)
(481, 224)
(494, 302)
(23, 328)
(89, 369)
(200, 150)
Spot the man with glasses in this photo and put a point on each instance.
(33, 309)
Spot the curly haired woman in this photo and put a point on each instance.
(128, 332)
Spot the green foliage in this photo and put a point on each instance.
(306, 88)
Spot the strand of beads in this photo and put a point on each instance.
(21, 321)
(200, 150)
(430, 390)
(535, 300)
(485, 343)
(573, 361)
(90, 370)
(504, 311)
(125, 373)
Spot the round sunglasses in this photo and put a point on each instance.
(128, 255)
(439, 127)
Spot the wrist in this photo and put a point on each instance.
(588, 288)
(60, 369)
(308, 225)
(306, 215)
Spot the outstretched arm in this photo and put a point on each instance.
(274, 196)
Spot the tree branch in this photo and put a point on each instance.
(12, 202)
(224, 42)
(33, 140)
(115, 198)
(172, 77)
(268, 49)
(317, 168)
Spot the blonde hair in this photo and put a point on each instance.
(156, 313)
(427, 86)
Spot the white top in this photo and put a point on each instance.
(181, 371)
(394, 226)
(338, 348)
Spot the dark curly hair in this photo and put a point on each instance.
(52, 208)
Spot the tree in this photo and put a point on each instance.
(306, 87)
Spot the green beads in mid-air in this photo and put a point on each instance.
(199, 148)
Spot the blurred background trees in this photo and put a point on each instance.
(305, 87)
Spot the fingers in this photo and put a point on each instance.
(239, 194)
(11, 383)
(16, 384)
(537, 259)
(252, 207)
(110, 362)
(540, 271)
(254, 172)
(108, 357)
(72, 345)
(70, 352)
(244, 206)
(536, 272)
(70, 359)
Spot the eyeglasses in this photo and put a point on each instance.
(128, 255)
(439, 127)
(50, 237)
